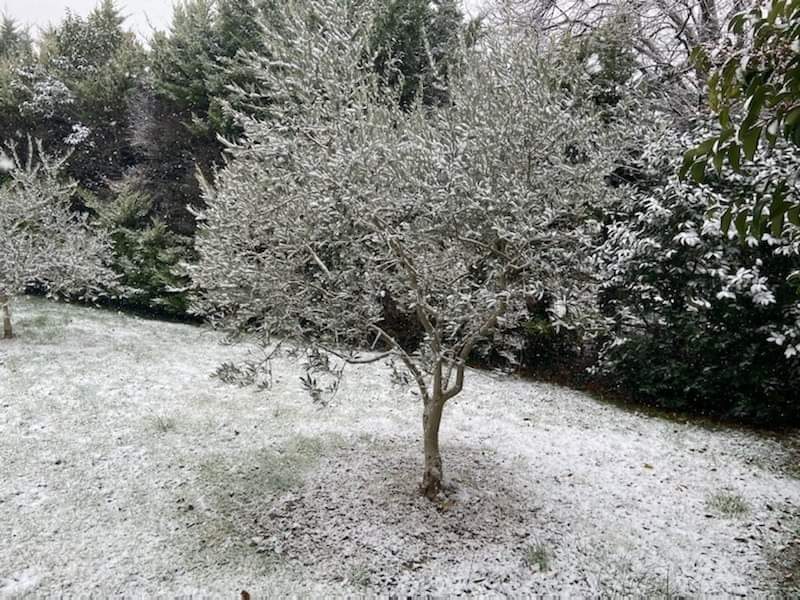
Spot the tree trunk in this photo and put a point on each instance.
(8, 333)
(431, 419)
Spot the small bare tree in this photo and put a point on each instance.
(661, 33)
(43, 242)
(464, 214)
(665, 30)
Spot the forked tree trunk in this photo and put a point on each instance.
(7, 330)
(433, 474)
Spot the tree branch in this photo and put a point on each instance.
(459, 383)
(422, 306)
(423, 387)
(318, 260)
(350, 360)
(487, 326)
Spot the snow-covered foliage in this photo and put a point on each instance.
(43, 242)
(754, 90)
(462, 215)
(76, 90)
(44, 95)
(80, 134)
(722, 315)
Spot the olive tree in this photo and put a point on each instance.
(465, 214)
(44, 243)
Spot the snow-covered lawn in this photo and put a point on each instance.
(126, 468)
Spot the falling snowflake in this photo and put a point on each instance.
(6, 164)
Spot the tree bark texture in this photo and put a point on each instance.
(433, 474)
(8, 332)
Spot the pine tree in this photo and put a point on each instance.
(14, 41)
(16, 52)
(415, 44)
(146, 253)
(99, 63)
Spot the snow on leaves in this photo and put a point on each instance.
(461, 215)
(674, 232)
(44, 243)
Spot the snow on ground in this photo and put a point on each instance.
(127, 469)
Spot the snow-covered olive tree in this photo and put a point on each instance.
(464, 214)
(43, 242)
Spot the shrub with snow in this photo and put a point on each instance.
(700, 318)
(43, 243)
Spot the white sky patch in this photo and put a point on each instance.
(773, 127)
(142, 16)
